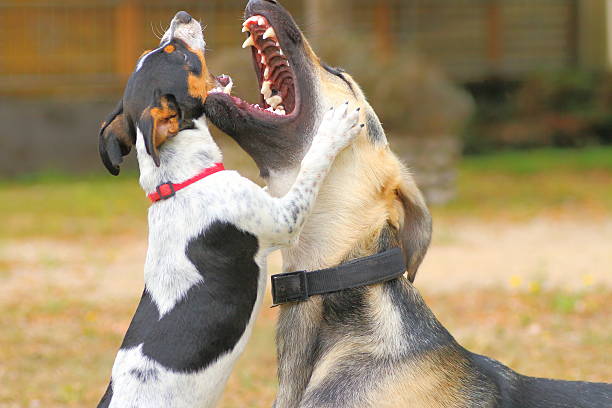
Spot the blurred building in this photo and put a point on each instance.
(64, 62)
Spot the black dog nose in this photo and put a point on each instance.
(183, 17)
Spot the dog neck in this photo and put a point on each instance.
(181, 157)
(344, 224)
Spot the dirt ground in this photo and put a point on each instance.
(463, 255)
(519, 292)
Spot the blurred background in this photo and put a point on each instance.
(502, 109)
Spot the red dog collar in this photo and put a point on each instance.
(167, 190)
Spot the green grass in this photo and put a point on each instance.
(531, 162)
(524, 184)
(504, 185)
(66, 206)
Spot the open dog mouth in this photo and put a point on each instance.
(276, 78)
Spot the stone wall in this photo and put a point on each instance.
(50, 135)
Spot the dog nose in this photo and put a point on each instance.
(183, 17)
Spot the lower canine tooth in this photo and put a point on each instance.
(248, 42)
(228, 88)
(269, 33)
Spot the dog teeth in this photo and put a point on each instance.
(245, 29)
(274, 101)
(267, 73)
(280, 110)
(249, 42)
(269, 33)
(261, 21)
(228, 88)
(266, 89)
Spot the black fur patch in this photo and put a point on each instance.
(376, 133)
(145, 376)
(339, 72)
(108, 396)
(418, 321)
(527, 392)
(212, 317)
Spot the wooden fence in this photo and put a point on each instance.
(87, 48)
(55, 47)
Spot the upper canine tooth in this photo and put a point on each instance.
(261, 21)
(266, 89)
(228, 88)
(269, 33)
(274, 101)
(248, 42)
(267, 73)
(245, 29)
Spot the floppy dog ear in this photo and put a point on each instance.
(159, 122)
(115, 139)
(416, 226)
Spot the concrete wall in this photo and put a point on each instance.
(43, 135)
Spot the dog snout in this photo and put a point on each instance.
(183, 17)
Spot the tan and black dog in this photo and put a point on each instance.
(377, 346)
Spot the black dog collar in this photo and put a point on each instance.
(299, 286)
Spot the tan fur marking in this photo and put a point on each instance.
(436, 380)
(199, 86)
(165, 123)
(169, 49)
(343, 350)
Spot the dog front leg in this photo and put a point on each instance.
(278, 221)
(337, 130)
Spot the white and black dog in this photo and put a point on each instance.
(205, 271)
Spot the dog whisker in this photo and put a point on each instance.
(154, 31)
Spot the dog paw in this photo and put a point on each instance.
(339, 128)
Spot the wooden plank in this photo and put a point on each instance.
(127, 36)
(494, 34)
(382, 30)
